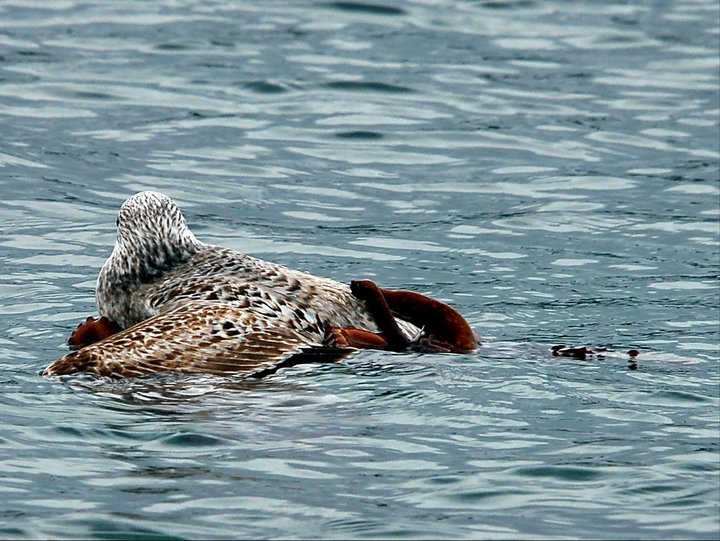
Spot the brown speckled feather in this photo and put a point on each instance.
(197, 337)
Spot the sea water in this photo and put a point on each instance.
(549, 168)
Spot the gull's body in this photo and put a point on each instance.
(188, 306)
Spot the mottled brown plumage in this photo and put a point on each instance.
(195, 337)
(187, 306)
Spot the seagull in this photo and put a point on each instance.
(170, 302)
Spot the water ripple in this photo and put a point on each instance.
(552, 173)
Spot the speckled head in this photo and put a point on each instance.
(152, 221)
(152, 238)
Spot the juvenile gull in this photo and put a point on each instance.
(187, 306)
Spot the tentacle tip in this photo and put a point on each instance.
(92, 330)
(334, 337)
(360, 288)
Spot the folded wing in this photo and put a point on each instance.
(197, 337)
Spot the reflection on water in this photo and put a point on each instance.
(549, 168)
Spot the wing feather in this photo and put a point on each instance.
(197, 337)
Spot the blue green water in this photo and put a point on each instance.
(550, 168)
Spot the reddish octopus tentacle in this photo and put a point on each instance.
(344, 337)
(445, 330)
(92, 330)
(377, 304)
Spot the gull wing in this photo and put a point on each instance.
(198, 337)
